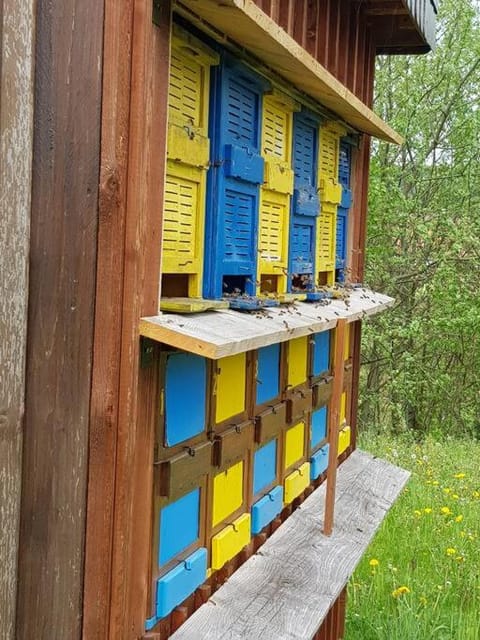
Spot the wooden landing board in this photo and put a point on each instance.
(191, 305)
(216, 334)
(245, 23)
(286, 589)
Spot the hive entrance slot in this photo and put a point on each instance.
(339, 275)
(175, 285)
(302, 282)
(322, 278)
(269, 284)
(234, 285)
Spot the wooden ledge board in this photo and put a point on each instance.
(215, 334)
(243, 22)
(285, 591)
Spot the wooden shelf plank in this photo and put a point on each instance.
(243, 22)
(286, 590)
(216, 334)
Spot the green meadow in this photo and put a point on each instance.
(420, 578)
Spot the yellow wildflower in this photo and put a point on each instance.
(427, 510)
(459, 518)
(451, 551)
(374, 562)
(435, 483)
(417, 512)
(455, 496)
(459, 558)
(446, 511)
(447, 490)
(459, 476)
(400, 591)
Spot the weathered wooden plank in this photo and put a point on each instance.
(287, 588)
(135, 429)
(68, 50)
(244, 22)
(16, 113)
(116, 68)
(220, 333)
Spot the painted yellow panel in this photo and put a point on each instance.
(273, 237)
(297, 361)
(344, 439)
(343, 408)
(294, 444)
(278, 177)
(326, 238)
(277, 124)
(227, 492)
(230, 386)
(181, 147)
(297, 482)
(230, 541)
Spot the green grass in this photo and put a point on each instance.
(420, 578)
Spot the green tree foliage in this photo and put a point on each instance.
(422, 359)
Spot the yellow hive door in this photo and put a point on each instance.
(230, 386)
(330, 196)
(296, 482)
(294, 444)
(297, 361)
(227, 493)
(343, 408)
(277, 123)
(344, 438)
(188, 157)
(230, 541)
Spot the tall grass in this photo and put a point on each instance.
(420, 578)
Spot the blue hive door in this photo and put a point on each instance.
(305, 201)
(233, 188)
(344, 170)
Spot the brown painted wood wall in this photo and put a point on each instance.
(16, 112)
(64, 213)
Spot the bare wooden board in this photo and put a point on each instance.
(16, 113)
(285, 591)
(191, 305)
(216, 334)
(243, 21)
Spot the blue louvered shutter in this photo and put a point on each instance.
(233, 192)
(305, 202)
(344, 177)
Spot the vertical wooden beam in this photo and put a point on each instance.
(134, 456)
(116, 70)
(61, 311)
(333, 426)
(16, 114)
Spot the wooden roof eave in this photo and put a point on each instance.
(216, 334)
(243, 22)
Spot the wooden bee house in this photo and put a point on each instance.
(166, 150)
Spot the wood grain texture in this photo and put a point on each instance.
(16, 114)
(141, 275)
(244, 22)
(116, 69)
(216, 334)
(286, 589)
(68, 51)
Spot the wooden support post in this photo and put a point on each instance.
(333, 421)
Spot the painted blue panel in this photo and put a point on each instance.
(233, 181)
(344, 165)
(302, 242)
(185, 397)
(179, 526)
(266, 509)
(251, 303)
(319, 426)
(180, 582)
(319, 462)
(321, 352)
(268, 373)
(341, 238)
(264, 466)
(305, 206)
(244, 164)
(239, 212)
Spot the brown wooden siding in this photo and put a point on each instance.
(335, 32)
(60, 319)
